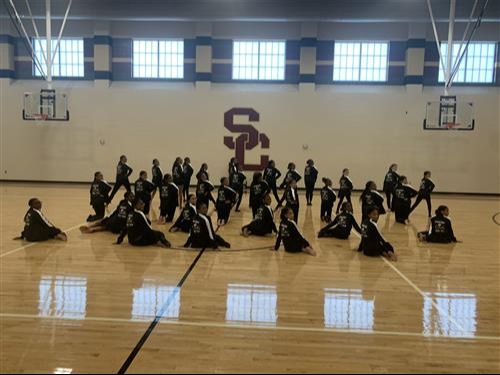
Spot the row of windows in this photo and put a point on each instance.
(266, 60)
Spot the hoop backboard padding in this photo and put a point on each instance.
(449, 114)
(45, 106)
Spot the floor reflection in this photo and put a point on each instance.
(347, 309)
(251, 304)
(63, 296)
(151, 297)
(460, 307)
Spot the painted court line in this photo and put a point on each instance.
(257, 327)
(38, 243)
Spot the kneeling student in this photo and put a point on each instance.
(292, 239)
(342, 225)
(116, 222)
(185, 219)
(373, 243)
(328, 198)
(263, 224)
(440, 229)
(226, 199)
(99, 197)
(37, 227)
(401, 200)
(169, 199)
(202, 233)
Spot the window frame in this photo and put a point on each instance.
(158, 62)
(57, 75)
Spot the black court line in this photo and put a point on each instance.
(495, 220)
(158, 317)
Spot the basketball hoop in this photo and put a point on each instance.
(451, 125)
(40, 117)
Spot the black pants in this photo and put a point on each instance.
(167, 210)
(309, 191)
(420, 198)
(99, 206)
(326, 211)
(343, 195)
(150, 238)
(402, 211)
(223, 212)
(118, 185)
(274, 189)
(185, 190)
(239, 190)
(295, 209)
(388, 194)
(147, 204)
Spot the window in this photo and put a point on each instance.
(254, 60)
(150, 298)
(160, 59)
(63, 296)
(347, 309)
(68, 61)
(360, 61)
(477, 66)
(252, 304)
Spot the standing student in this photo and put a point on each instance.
(99, 197)
(203, 172)
(204, 191)
(289, 233)
(157, 176)
(310, 178)
(188, 173)
(440, 228)
(169, 197)
(373, 244)
(371, 198)
(401, 201)
(185, 219)
(258, 190)
(342, 225)
(139, 230)
(263, 224)
(290, 175)
(271, 176)
(116, 222)
(328, 198)
(426, 188)
(202, 233)
(390, 182)
(143, 189)
(226, 199)
(37, 227)
(178, 176)
(123, 172)
(232, 169)
(345, 190)
(291, 197)
(238, 184)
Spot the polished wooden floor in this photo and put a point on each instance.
(83, 306)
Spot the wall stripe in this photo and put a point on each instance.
(308, 42)
(203, 77)
(103, 40)
(416, 43)
(101, 74)
(7, 39)
(7, 73)
(203, 40)
(414, 80)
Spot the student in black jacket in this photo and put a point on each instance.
(37, 227)
(143, 189)
(188, 174)
(204, 191)
(202, 172)
(258, 190)
(232, 169)
(371, 198)
(139, 230)
(289, 233)
(226, 199)
(263, 224)
(342, 225)
(116, 222)
(310, 178)
(238, 184)
(291, 196)
(401, 201)
(99, 197)
(290, 175)
(202, 233)
(345, 189)
(157, 176)
(169, 199)
(426, 188)
(390, 182)
(178, 176)
(440, 229)
(271, 176)
(373, 244)
(185, 219)
(123, 172)
(328, 198)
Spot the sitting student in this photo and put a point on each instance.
(116, 222)
(424, 193)
(440, 229)
(143, 190)
(99, 197)
(36, 226)
(204, 191)
(185, 219)
(292, 239)
(169, 199)
(342, 225)
(373, 243)
(263, 224)
(328, 198)
(202, 233)
(139, 230)
(401, 200)
(371, 198)
(226, 199)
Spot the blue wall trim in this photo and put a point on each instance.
(292, 49)
(414, 80)
(122, 47)
(190, 48)
(203, 40)
(102, 74)
(397, 51)
(222, 49)
(308, 42)
(416, 43)
(103, 40)
(203, 77)
(7, 39)
(7, 73)
(324, 50)
(307, 78)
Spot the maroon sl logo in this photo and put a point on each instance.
(248, 139)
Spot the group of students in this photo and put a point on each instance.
(130, 218)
